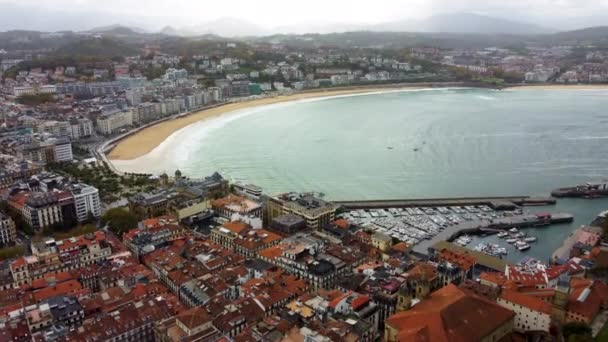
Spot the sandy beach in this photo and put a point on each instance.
(560, 87)
(147, 139)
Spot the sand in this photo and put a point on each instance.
(560, 87)
(147, 139)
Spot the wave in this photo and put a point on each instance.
(180, 146)
(589, 137)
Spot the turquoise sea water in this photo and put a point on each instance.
(469, 142)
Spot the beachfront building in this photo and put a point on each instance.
(314, 210)
(80, 128)
(113, 121)
(249, 190)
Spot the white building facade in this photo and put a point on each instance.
(86, 200)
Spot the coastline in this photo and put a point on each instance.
(557, 87)
(147, 139)
(144, 141)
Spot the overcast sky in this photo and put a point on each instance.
(154, 14)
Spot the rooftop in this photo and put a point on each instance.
(450, 314)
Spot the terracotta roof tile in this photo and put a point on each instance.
(525, 300)
(450, 314)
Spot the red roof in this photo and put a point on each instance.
(359, 302)
(585, 298)
(236, 226)
(530, 302)
(64, 288)
(342, 224)
(496, 278)
(450, 314)
(337, 300)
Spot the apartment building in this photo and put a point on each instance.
(8, 233)
(111, 122)
(86, 201)
(314, 210)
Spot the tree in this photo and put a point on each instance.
(90, 218)
(604, 226)
(577, 332)
(11, 252)
(120, 220)
(34, 100)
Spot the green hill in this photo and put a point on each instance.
(97, 47)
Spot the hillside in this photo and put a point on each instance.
(97, 47)
(464, 23)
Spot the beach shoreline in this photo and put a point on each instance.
(557, 87)
(146, 140)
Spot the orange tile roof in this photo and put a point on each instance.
(359, 302)
(236, 226)
(342, 224)
(19, 262)
(272, 252)
(64, 288)
(588, 306)
(528, 301)
(526, 277)
(400, 247)
(496, 278)
(450, 314)
(334, 302)
(463, 260)
(194, 318)
(422, 271)
(18, 200)
(159, 221)
(79, 241)
(51, 278)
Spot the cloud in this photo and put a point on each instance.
(74, 14)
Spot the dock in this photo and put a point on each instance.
(480, 227)
(497, 203)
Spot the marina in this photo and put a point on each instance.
(422, 227)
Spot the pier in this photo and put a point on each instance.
(497, 203)
(424, 222)
(493, 226)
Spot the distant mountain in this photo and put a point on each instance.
(464, 23)
(226, 27)
(117, 29)
(592, 35)
(170, 31)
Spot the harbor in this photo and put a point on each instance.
(498, 203)
(423, 223)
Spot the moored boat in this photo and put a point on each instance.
(588, 190)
